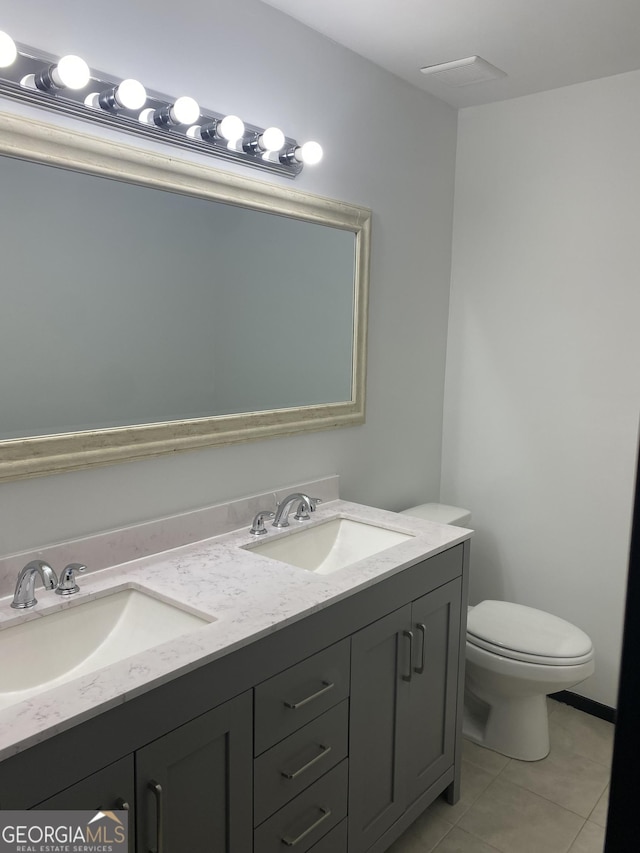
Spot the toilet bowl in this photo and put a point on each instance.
(515, 657)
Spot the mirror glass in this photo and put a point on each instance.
(130, 305)
(153, 305)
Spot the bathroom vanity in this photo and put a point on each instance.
(318, 712)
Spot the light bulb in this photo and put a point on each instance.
(185, 111)
(147, 116)
(71, 72)
(131, 94)
(310, 153)
(8, 50)
(128, 95)
(231, 128)
(272, 139)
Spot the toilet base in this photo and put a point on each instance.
(515, 726)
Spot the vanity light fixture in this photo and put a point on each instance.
(67, 85)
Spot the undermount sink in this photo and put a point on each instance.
(330, 546)
(42, 653)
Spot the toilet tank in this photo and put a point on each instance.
(441, 513)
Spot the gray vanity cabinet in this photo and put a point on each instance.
(329, 735)
(194, 785)
(111, 788)
(193, 788)
(404, 684)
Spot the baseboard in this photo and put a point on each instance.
(589, 706)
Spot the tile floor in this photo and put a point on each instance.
(558, 805)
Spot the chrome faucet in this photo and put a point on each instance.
(258, 528)
(305, 506)
(24, 595)
(67, 584)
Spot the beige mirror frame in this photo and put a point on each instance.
(28, 139)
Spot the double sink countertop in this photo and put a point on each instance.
(246, 594)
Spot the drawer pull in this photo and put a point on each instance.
(326, 686)
(409, 636)
(423, 632)
(122, 804)
(291, 842)
(156, 789)
(324, 750)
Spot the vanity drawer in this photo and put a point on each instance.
(293, 698)
(307, 818)
(334, 842)
(292, 765)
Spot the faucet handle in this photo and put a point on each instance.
(67, 584)
(258, 528)
(302, 514)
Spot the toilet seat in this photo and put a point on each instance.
(526, 634)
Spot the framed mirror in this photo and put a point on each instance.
(152, 305)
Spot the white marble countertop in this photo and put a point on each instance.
(248, 595)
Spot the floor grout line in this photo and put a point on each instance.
(553, 802)
(572, 742)
(473, 835)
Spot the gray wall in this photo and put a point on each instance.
(241, 56)
(542, 392)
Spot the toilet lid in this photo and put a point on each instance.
(524, 633)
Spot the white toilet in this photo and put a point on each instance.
(515, 656)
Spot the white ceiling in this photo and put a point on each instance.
(540, 44)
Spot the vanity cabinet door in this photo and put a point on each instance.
(194, 785)
(111, 788)
(404, 683)
(433, 688)
(380, 665)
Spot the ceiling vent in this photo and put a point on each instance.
(464, 72)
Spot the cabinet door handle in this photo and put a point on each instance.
(291, 842)
(156, 790)
(324, 750)
(326, 686)
(423, 632)
(409, 635)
